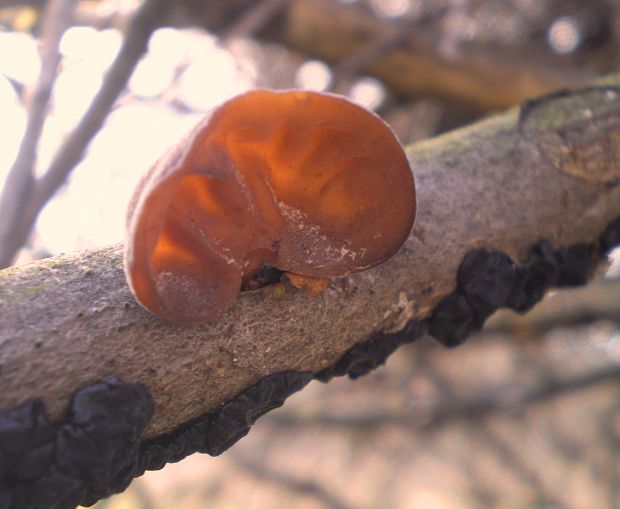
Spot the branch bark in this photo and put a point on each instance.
(548, 170)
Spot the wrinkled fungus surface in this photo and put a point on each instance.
(305, 182)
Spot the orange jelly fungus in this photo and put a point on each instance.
(306, 182)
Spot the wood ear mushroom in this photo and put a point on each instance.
(306, 182)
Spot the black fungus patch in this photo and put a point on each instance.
(91, 454)
(215, 432)
(576, 264)
(611, 236)
(489, 280)
(451, 320)
(96, 450)
(372, 353)
(533, 278)
(234, 419)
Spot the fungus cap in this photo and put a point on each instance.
(306, 182)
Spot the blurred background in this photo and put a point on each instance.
(524, 415)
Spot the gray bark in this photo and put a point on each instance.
(549, 170)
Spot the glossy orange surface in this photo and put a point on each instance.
(309, 183)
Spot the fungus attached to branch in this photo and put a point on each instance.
(305, 182)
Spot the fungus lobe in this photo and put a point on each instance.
(306, 182)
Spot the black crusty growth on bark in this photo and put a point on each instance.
(96, 450)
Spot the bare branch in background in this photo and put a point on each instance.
(485, 76)
(381, 46)
(20, 180)
(145, 21)
(299, 486)
(453, 22)
(255, 18)
(453, 408)
(508, 455)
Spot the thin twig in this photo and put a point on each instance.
(456, 409)
(255, 18)
(145, 21)
(454, 21)
(513, 462)
(19, 183)
(391, 39)
(301, 486)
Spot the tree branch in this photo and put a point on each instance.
(484, 77)
(147, 18)
(298, 486)
(386, 42)
(254, 18)
(20, 180)
(502, 184)
(487, 195)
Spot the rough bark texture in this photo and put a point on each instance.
(538, 186)
(550, 170)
